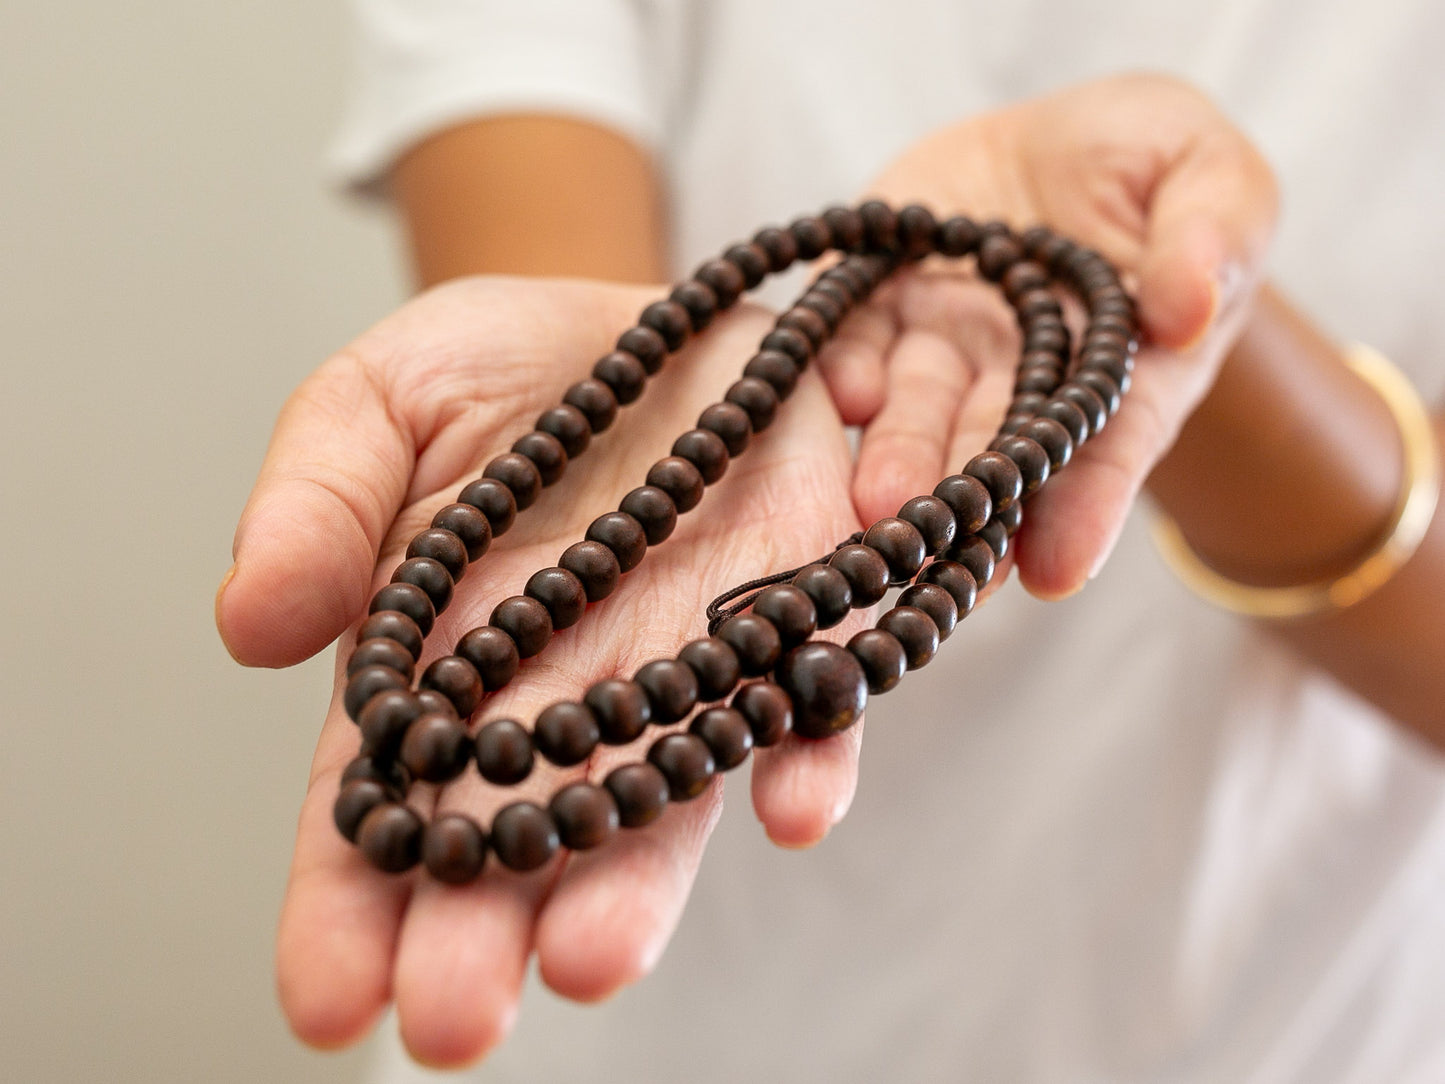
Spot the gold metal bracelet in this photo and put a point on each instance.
(1419, 493)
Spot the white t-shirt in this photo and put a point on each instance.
(1121, 837)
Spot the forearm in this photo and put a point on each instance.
(531, 195)
(1289, 473)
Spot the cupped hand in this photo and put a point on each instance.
(364, 453)
(1143, 169)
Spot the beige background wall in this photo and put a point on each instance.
(170, 265)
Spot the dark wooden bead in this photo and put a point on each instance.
(807, 322)
(996, 254)
(880, 224)
(1012, 518)
(937, 603)
(1053, 437)
(442, 546)
(568, 425)
(776, 368)
(652, 508)
(621, 372)
(846, 226)
(621, 709)
(1032, 304)
(670, 320)
(716, 666)
(780, 246)
(1035, 239)
(585, 815)
(957, 580)
(827, 686)
(758, 398)
(385, 714)
(916, 228)
(595, 400)
(1028, 455)
(679, 479)
(436, 702)
(1029, 403)
(731, 423)
(1052, 338)
(811, 235)
(1011, 424)
(436, 748)
(504, 752)
(566, 733)
(755, 640)
(976, 555)
(829, 590)
(882, 658)
(647, 345)
(390, 837)
(383, 770)
(725, 279)
(623, 535)
(492, 653)
(685, 762)
(934, 521)
(958, 236)
(519, 474)
(706, 451)
(524, 836)
(845, 276)
(456, 679)
(1101, 385)
(826, 305)
(367, 683)
(866, 572)
(381, 651)
(970, 500)
(793, 343)
(526, 621)
(1087, 400)
(1023, 276)
(1000, 474)
(995, 533)
(1070, 416)
(837, 292)
(915, 630)
(546, 453)
(789, 610)
(640, 791)
(357, 798)
(392, 625)
(409, 599)
(1038, 378)
(751, 260)
(454, 848)
(1119, 370)
(496, 503)
(595, 567)
(726, 734)
(699, 301)
(561, 592)
(671, 688)
(900, 544)
(768, 710)
(431, 576)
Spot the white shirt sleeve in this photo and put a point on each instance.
(423, 65)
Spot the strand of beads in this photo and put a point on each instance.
(812, 687)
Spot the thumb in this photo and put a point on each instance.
(334, 477)
(1210, 219)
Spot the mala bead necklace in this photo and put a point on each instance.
(759, 673)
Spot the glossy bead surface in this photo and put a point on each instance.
(726, 734)
(758, 400)
(976, 555)
(454, 848)
(1028, 455)
(568, 426)
(751, 260)
(356, 799)
(731, 423)
(640, 791)
(1053, 437)
(1070, 416)
(706, 451)
(456, 679)
(367, 683)
(444, 547)
(546, 453)
(384, 771)
(409, 599)
(670, 320)
(646, 344)
(780, 246)
(916, 226)
(865, 570)
(934, 521)
(561, 593)
(679, 479)
(725, 279)
(585, 815)
(958, 236)
(492, 653)
(595, 400)
(433, 701)
(504, 753)
(524, 836)
(829, 591)
(792, 343)
(999, 474)
(699, 299)
(996, 535)
(996, 254)
(385, 717)
(882, 658)
(937, 603)
(654, 510)
(970, 500)
(806, 321)
(623, 535)
(880, 224)
(915, 630)
(526, 621)
(715, 665)
(768, 710)
(900, 545)
(685, 762)
(494, 500)
(436, 748)
(777, 369)
(395, 626)
(957, 580)
(671, 688)
(789, 610)
(566, 733)
(595, 567)
(1087, 400)
(431, 576)
(811, 235)
(390, 837)
(621, 708)
(755, 640)
(519, 474)
(621, 372)
(827, 687)
(381, 651)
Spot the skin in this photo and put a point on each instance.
(1143, 168)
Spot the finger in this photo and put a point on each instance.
(802, 787)
(334, 477)
(852, 363)
(340, 918)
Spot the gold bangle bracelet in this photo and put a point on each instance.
(1419, 493)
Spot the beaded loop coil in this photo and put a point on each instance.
(760, 674)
